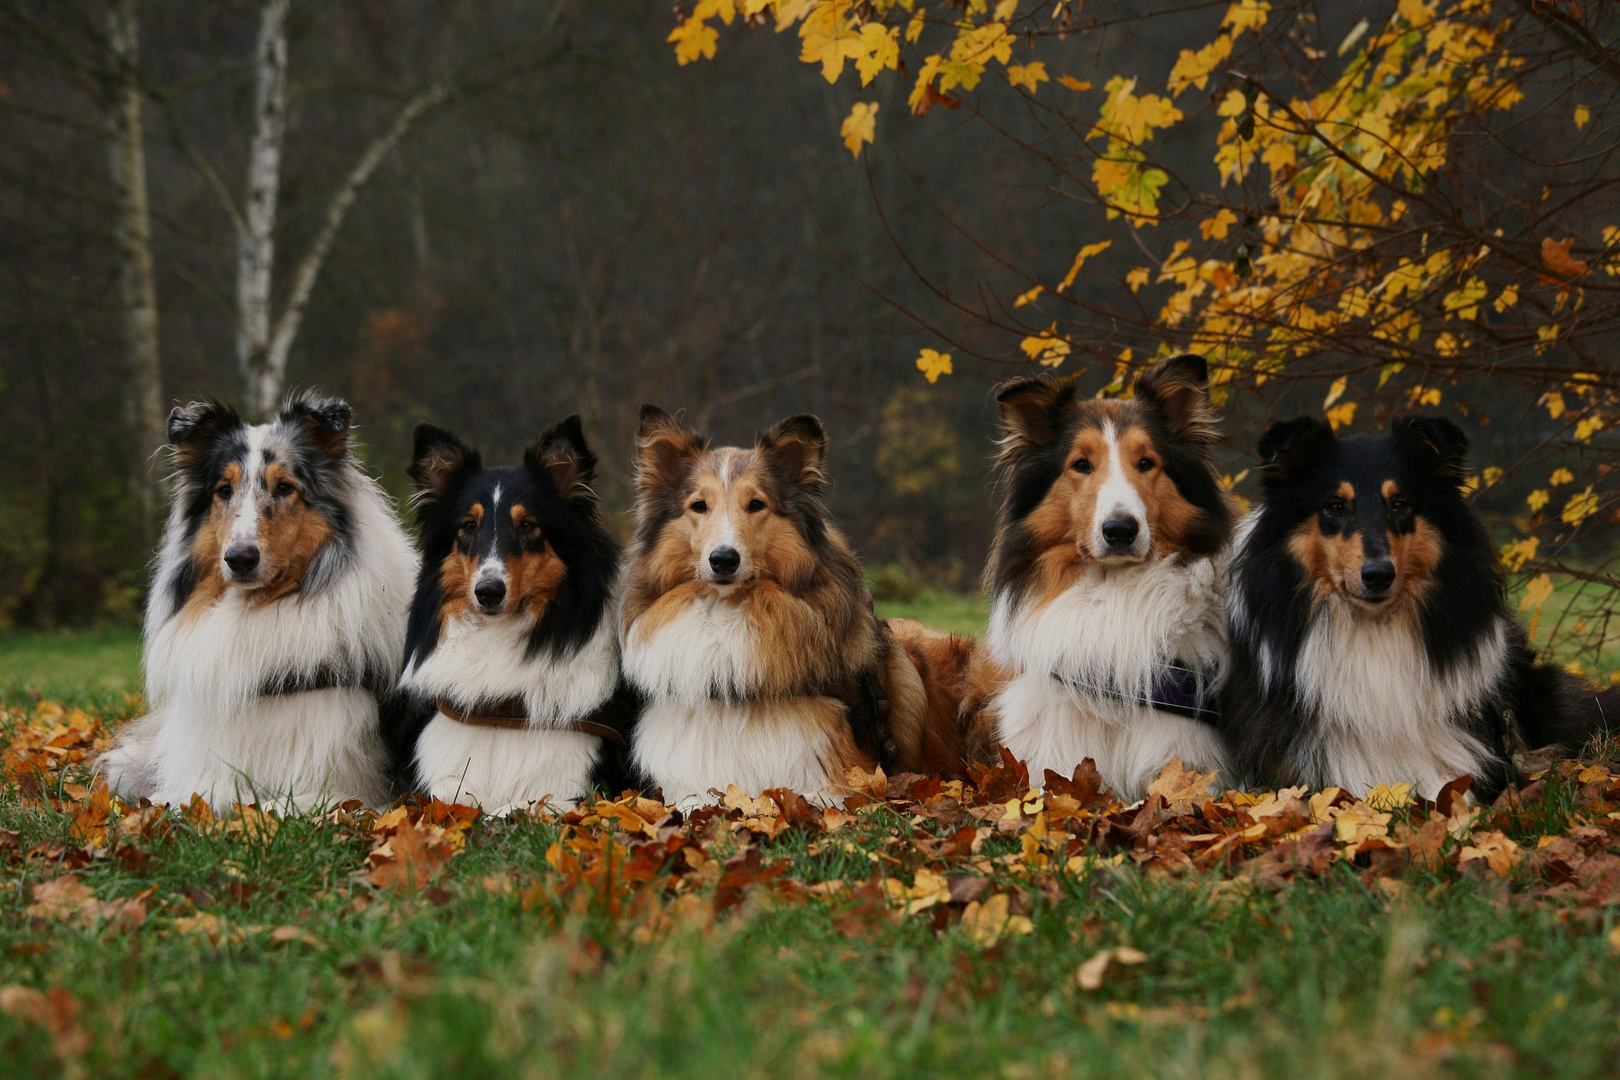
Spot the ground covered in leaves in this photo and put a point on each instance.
(982, 927)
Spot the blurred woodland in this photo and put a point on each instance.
(492, 214)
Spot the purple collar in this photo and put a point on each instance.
(1175, 689)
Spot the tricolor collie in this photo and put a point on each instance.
(746, 625)
(1106, 621)
(1371, 643)
(512, 641)
(276, 617)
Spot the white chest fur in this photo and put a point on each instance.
(502, 770)
(1383, 714)
(1114, 629)
(686, 749)
(710, 649)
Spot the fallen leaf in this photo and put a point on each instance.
(986, 922)
(1181, 788)
(1556, 257)
(1090, 974)
(1496, 849)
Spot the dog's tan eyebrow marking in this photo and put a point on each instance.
(1390, 489)
(518, 513)
(1347, 491)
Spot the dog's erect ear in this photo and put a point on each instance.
(1179, 389)
(665, 450)
(1288, 444)
(438, 459)
(325, 420)
(797, 449)
(562, 455)
(1437, 442)
(1032, 412)
(193, 427)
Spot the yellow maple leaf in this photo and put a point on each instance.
(1341, 416)
(1537, 499)
(1029, 297)
(1246, 15)
(1005, 9)
(920, 99)
(1497, 849)
(1217, 226)
(1582, 115)
(708, 9)
(1138, 277)
(1581, 505)
(1536, 592)
(1073, 83)
(1588, 427)
(694, 40)
(879, 49)
(1045, 347)
(933, 364)
(860, 126)
(1509, 297)
(1194, 68)
(985, 923)
(914, 28)
(1030, 75)
(1519, 552)
(829, 37)
(1079, 260)
(1555, 404)
(1560, 476)
(1131, 118)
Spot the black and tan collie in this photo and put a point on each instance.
(1371, 642)
(1106, 635)
(512, 636)
(746, 625)
(275, 620)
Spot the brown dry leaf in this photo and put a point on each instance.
(1556, 257)
(408, 860)
(1423, 843)
(1358, 823)
(929, 888)
(60, 898)
(1498, 851)
(1290, 800)
(55, 1010)
(1089, 975)
(284, 935)
(987, 921)
(1181, 788)
(873, 785)
(251, 823)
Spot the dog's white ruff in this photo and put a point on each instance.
(211, 733)
(480, 659)
(1117, 626)
(688, 741)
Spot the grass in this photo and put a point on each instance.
(62, 663)
(505, 968)
(951, 612)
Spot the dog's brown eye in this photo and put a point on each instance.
(526, 527)
(700, 507)
(469, 526)
(1399, 506)
(1336, 506)
(1081, 466)
(223, 491)
(1145, 465)
(284, 489)
(755, 505)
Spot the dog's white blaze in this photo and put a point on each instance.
(210, 730)
(249, 498)
(1117, 626)
(686, 748)
(493, 568)
(1118, 497)
(709, 648)
(1385, 715)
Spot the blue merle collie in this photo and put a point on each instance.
(512, 639)
(1107, 629)
(275, 620)
(1371, 641)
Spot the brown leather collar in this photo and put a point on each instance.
(512, 713)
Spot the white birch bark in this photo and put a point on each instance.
(133, 243)
(256, 238)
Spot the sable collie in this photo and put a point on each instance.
(746, 625)
(511, 635)
(1371, 642)
(276, 617)
(1106, 635)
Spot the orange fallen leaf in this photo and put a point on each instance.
(1556, 257)
(1181, 788)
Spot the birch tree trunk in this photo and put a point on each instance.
(137, 286)
(256, 236)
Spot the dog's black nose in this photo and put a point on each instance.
(242, 558)
(1120, 531)
(724, 561)
(490, 594)
(1377, 575)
